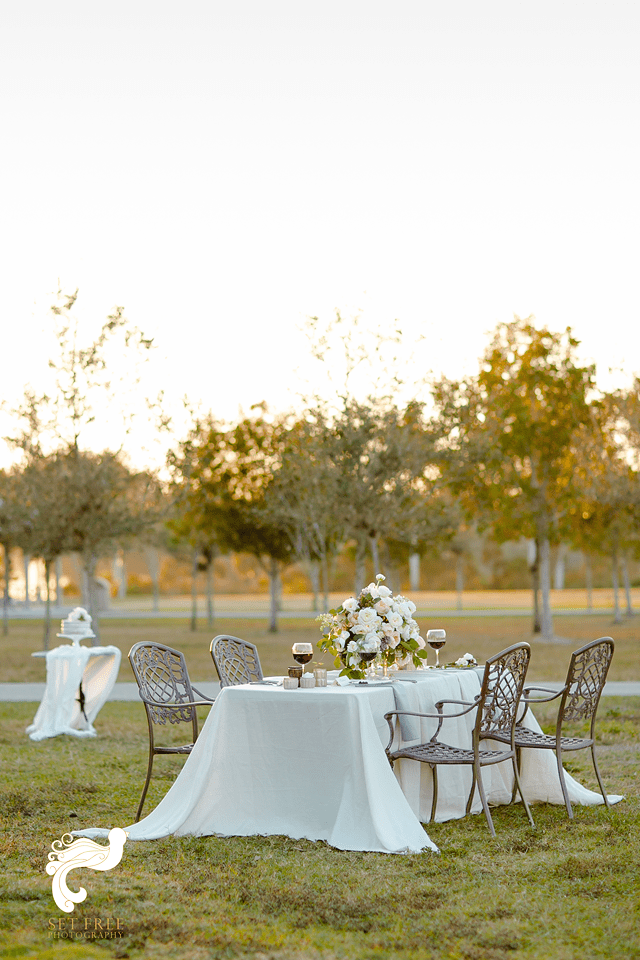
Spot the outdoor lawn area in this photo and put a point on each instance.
(566, 890)
(482, 636)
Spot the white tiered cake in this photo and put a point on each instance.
(77, 626)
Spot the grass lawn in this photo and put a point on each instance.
(482, 636)
(566, 890)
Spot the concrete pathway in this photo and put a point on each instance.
(33, 692)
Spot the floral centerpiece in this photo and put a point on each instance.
(376, 625)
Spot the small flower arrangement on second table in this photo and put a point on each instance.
(376, 625)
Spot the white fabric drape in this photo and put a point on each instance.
(68, 666)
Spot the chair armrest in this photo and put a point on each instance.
(555, 694)
(177, 706)
(429, 716)
(202, 695)
(524, 699)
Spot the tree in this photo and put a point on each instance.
(200, 498)
(78, 499)
(103, 503)
(604, 517)
(509, 437)
(12, 520)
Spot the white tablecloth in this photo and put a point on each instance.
(310, 763)
(67, 666)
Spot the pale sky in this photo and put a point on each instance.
(224, 169)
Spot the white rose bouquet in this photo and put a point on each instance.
(375, 625)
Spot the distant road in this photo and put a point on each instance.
(475, 603)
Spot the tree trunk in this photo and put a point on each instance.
(459, 579)
(152, 559)
(617, 617)
(546, 623)
(414, 572)
(120, 574)
(313, 567)
(360, 566)
(47, 610)
(210, 610)
(627, 586)
(534, 567)
(324, 561)
(89, 570)
(26, 560)
(559, 568)
(375, 555)
(588, 576)
(6, 598)
(273, 595)
(58, 573)
(194, 591)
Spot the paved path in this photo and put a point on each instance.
(33, 692)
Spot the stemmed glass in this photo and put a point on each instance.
(436, 640)
(302, 652)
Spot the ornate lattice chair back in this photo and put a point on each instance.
(235, 660)
(502, 685)
(162, 677)
(586, 677)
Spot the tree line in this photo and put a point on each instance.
(526, 447)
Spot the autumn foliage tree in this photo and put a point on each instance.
(509, 436)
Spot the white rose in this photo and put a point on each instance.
(393, 640)
(371, 643)
(405, 609)
(373, 590)
(352, 646)
(367, 619)
(384, 592)
(350, 604)
(395, 620)
(382, 606)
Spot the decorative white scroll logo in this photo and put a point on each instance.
(69, 854)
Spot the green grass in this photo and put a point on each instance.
(482, 636)
(566, 891)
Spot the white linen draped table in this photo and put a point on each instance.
(310, 763)
(68, 666)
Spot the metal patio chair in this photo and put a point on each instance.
(496, 709)
(168, 696)
(579, 699)
(235, 660)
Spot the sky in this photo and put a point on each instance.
(225, 170)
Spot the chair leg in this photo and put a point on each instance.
(485, 805)
(146, 786)
(471, 793)
(565, 792)
(518, 761)
(595, 767)
(434, 801)
(518, 785)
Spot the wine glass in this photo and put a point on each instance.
(302, 652)
(436, 640)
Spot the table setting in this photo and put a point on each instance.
(303, 754)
